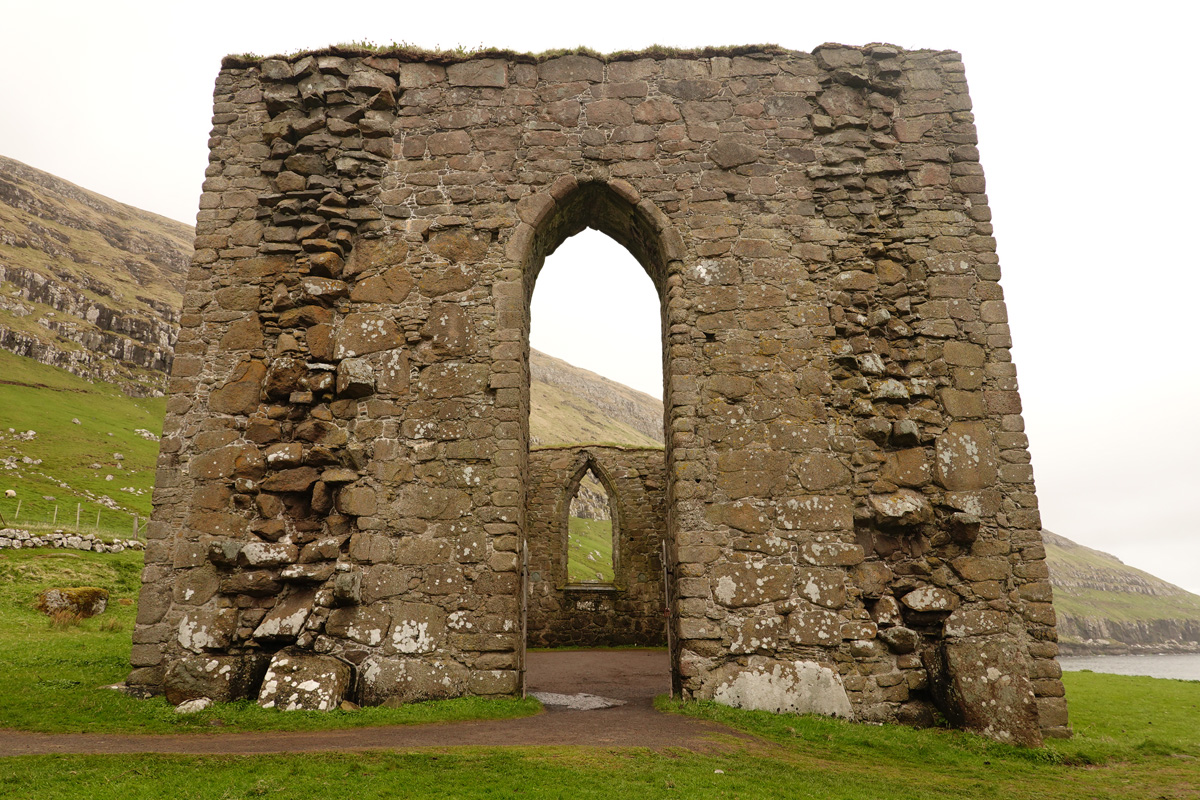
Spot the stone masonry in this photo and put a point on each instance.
(344, 474)
(632, 611)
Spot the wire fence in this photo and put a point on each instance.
(74, 518)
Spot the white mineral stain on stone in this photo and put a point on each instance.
(194, 636)
(726, 588)
(412, 637)
(800, 687)
(812, 590)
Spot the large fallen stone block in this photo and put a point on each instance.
(397, 680)
(219, 678)
(297, 680)
(86, 601)
(980, 684)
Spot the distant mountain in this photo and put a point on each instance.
(1104, 606)
(571, 405)
(88, 284)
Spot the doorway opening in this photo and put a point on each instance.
(597, 358)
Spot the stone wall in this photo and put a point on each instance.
(632, 611)
(850, 506)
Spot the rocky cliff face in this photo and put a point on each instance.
(88, 284)
(1105, 606)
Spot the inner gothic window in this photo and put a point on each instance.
(590, 534)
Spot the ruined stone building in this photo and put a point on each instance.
(346, 494)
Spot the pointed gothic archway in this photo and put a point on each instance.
(615, 209)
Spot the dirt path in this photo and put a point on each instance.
(634, 676)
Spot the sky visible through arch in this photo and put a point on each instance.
(1083, 116)
(595, 307)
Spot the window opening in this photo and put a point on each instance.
(590, 534)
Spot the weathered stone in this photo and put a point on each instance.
(268, 554)
(397, 680)
(478, 72)
(815, 627)
(291, 480)
(362, 624)
(736, 585)
(730, 153)
(220, 678)
(974, 622)
(965, 458)
(766, 684)
(357, 500)
(930, 598)
(355, 378)
(459, 244)
(300, 681)
(286, 620)
(903, 508)
(390, 287)
(980, 685)
(240, 394)
(360, 334)
(900, 640)
(81, 601)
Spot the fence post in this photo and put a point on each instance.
(78, 510)
(135, 526)
(97, 520)
(17, 513)
(55, 520)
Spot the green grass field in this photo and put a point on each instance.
(589, 537)
(1136, 738)
(68, 451)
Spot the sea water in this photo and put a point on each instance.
(1181, 666)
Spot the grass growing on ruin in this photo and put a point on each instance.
(52, 677)
(1135, 739)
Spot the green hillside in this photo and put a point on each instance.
(86, 283)
(558, 416)
(75, 459)
(589, 555)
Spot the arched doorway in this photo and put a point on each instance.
(639, 227)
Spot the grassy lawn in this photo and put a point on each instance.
(52, 679)
(1113, 756)
(1135, 737)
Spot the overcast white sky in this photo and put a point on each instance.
(1087, 133)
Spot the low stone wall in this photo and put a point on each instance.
(14, 538)
(631, 611)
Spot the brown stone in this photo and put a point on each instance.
(965, 458)
(291, 480)
(239, 395)
(360, 334)
(389, 288)
(460, 245)
(980, 685)
(737, 585)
